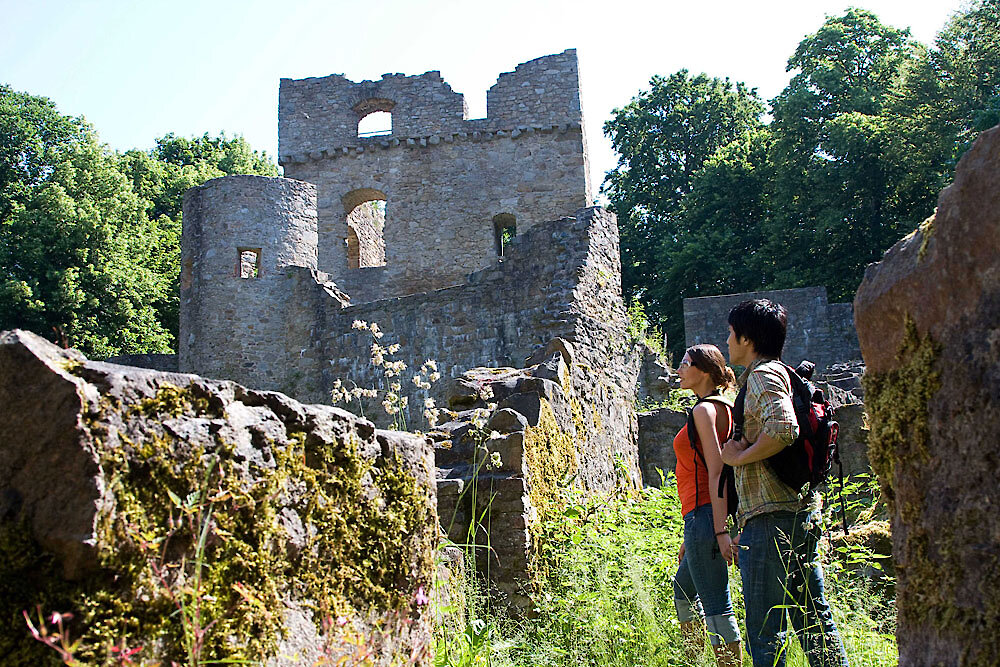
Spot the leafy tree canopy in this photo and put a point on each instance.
(663, 137)
(89, 238)
(867, 132)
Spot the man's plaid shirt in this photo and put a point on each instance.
(768, 409)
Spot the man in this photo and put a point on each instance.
(779, 529)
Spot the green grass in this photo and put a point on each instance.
(607, 597)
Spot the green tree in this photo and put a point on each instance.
(74, 239)
(831, 210)
(161, 176)
(949, 94)
(722, 220)
(663, 137)
(89, 239)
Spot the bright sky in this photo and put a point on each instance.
(140, 69)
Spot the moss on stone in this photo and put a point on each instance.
(934, 560)
(365, 548)
(896, 403)
(926, 229)
(173, 401)
(551, 458)
(550, 454)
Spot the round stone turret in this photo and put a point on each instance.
(242, 237)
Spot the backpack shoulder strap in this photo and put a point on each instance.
(692, 429)
(739, 418)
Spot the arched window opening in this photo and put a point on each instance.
(364, 238)
(504, 231)
(374, 116)
(375, 124)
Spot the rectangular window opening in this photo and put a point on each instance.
(249, 267)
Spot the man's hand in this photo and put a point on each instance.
(731, 451)
(728, 548)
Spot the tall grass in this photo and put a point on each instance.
(606, 599)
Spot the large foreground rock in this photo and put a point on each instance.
(161, 507)
(928, 318)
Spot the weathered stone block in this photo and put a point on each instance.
(293, 531)
(928, 319)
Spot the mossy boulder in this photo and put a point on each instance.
(928, 319)
(187, 518)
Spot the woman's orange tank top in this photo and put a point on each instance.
(692, 475)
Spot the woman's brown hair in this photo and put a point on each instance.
(708, 359)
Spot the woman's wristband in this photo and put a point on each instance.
(722, 532)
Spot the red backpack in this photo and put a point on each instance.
(808, 460)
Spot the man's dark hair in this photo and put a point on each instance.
(763, 323)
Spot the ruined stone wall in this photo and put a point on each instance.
(320, 113)
(502, 314)
(443, 178)
(559, 279)
(817, 330)
(541, 91)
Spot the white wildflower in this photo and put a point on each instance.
(394, 348)
(434, 377)
(359, 324)
(495, 461)
(428, 402)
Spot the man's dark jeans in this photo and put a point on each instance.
(781, 575)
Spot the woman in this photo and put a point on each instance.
(707, 548)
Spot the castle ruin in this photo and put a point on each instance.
(468, 241)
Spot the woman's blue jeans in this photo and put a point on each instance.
(779, 565)
(702, 577)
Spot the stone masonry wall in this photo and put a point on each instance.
(443, 178)
(558, 279)
(501, 315)
(817, 330)
(541, 91)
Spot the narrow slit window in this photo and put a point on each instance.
(504, 231)
(249, 268)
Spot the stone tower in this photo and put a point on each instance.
(242, 237)
(443, 192)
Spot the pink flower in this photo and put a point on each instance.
(341, 621)
(421, 598)
(58, 618)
